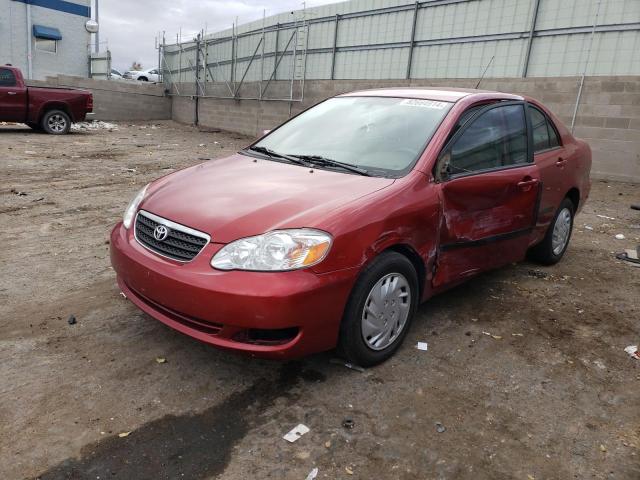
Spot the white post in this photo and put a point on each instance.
(29, 42)
(97, 18)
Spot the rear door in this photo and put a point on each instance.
(489, 188)
(13, 99)
(551, 160)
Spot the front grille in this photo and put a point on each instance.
(181, 243)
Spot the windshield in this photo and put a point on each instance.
(379, 134)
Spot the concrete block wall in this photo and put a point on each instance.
(118, 100)
(608, 116)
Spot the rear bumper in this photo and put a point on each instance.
(223, 308)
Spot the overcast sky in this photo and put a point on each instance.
(130, 27)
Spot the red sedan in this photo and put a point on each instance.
(332, 229)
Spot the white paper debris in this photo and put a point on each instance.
(296, 433)
(619, 236)
(422, 346)
(605, 217)
(312, 474)
(633, 351)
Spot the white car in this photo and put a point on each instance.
(151, 75)
(115, 74)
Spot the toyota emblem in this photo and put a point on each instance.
(160, 233)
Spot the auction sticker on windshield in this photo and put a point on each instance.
(415, 102)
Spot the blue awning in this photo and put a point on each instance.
(50, 33)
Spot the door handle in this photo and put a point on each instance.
(561, 162)
(11, 93)
(526, 184)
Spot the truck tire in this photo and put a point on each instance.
(143, 79)
(56, 122)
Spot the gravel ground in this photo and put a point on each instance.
(549, 394)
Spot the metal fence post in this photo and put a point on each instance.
(413, 39)
(179, 57)
(586, 66)
(197, 77)
(233, 56)
(276, 50)
(335, 44)
(530, 38)
(264, 13)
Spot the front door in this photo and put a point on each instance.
(489, 189)
(13, 99)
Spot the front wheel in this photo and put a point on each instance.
(56, 122)
(379, 311)
(555, 242)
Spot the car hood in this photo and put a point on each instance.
(240, 196)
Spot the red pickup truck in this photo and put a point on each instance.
(50, 109)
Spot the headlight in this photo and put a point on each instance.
(131, 210)
(274, 251)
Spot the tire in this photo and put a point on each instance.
(143, 79)
(56, 122)
(548, 251)
(362, 344)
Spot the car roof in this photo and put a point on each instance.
(431, 93)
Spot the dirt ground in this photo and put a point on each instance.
(550, 395)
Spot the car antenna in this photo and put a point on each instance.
(485, 71)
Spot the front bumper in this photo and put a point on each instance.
(222, 308)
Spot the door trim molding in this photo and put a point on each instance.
(487, 240)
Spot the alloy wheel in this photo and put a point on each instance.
(57, 123)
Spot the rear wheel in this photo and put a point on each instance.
(555, 242)
(380, 309)
(56, 122)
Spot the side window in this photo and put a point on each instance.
(497, 138)
(7, 78)
(554, 141)
(544, 135)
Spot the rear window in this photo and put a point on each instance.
(7, 78)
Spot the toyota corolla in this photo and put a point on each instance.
(330, 230)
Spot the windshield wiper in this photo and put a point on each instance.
(320, 160)
(270, 153)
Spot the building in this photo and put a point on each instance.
(45, 37)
